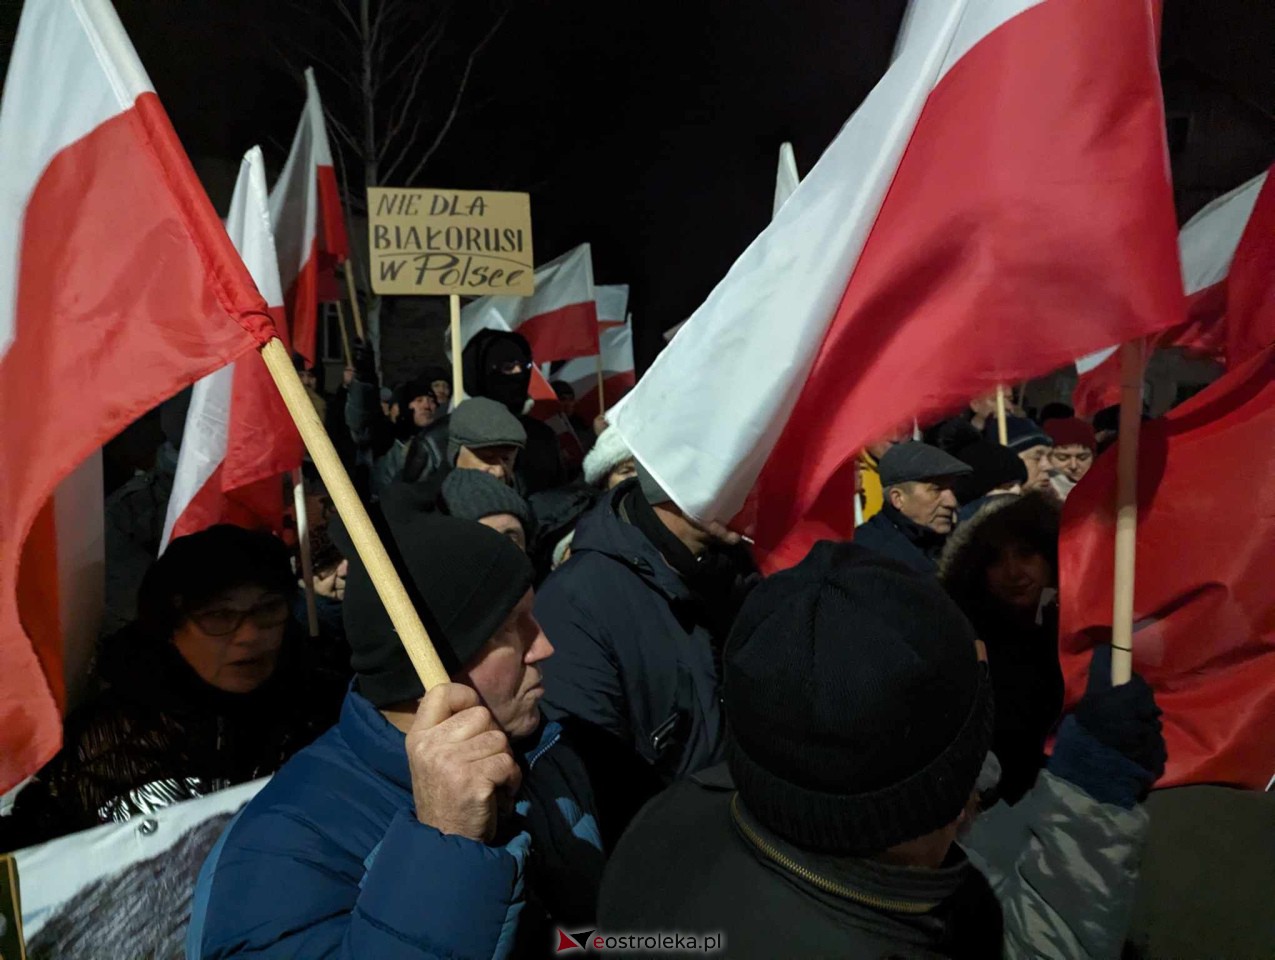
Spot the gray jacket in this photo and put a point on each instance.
(1064, 868)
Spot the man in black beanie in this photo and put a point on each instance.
(860, 718)
(456, 822)
(919, 509)
(637, 615)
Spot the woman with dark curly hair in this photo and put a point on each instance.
(1001, 568)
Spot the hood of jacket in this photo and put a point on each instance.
(603, 530)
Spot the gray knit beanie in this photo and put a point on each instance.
(472, 495)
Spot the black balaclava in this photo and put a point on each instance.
(483, 357)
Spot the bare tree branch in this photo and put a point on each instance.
(460, 93)
(343, 132)
(391, 168)
(349, 17)
(399, 115)
(420, 51)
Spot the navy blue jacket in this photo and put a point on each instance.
(329, 860)
(632, 655)
(893, 535)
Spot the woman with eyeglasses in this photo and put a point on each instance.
(215, 685)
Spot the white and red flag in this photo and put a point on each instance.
(117, 282)
(615, 338)
(559, 320)
(1209, 244)
(309, 228)
(998, 205)
(239, 438)
(786, 177)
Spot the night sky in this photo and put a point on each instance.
(652, 130)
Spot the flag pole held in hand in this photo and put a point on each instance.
(458, 371)
(1002, 427)
(407, 622)
(1131, 361)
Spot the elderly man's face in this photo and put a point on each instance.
(929, 503)
(506, 672)
(1037, 461)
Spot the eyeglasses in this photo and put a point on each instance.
(272, 611)
(511, 368)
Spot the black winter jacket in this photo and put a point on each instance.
(893, 535)
(696, 861)
(634, 650)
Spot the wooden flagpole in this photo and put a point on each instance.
(458, 370)
(602, 394)
(1131, 363)
(407, 622)
(354, 302)
(345, 335)
(1002, 428)
(303, 543)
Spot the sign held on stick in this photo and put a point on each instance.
(450, 242)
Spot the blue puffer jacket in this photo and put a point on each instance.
(329, 859)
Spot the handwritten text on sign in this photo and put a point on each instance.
(474, 243)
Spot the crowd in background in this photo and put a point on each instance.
(865, 755)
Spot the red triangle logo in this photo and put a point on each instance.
(566, 943)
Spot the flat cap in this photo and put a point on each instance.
(481, 422)
(914, 460)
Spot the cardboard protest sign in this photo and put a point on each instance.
(470, 243)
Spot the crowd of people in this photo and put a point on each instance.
(865, 755)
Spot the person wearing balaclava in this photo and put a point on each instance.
(454, 823)
(497, 369)
(497, 365)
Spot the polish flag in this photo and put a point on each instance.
(1204, 610)
(309, 228)
(998, 206)
(117, 281)
(615, 337)
(1208, 245)
(559, 320)
(239, 438)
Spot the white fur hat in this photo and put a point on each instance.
(608, 453)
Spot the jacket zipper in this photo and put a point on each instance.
(823, 883)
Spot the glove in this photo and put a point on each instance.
(365, 363)
(1112, 746)
(1125, 718)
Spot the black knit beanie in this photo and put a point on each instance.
(199, 567)
(993, 466)
(859, 713)
(463, 578)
